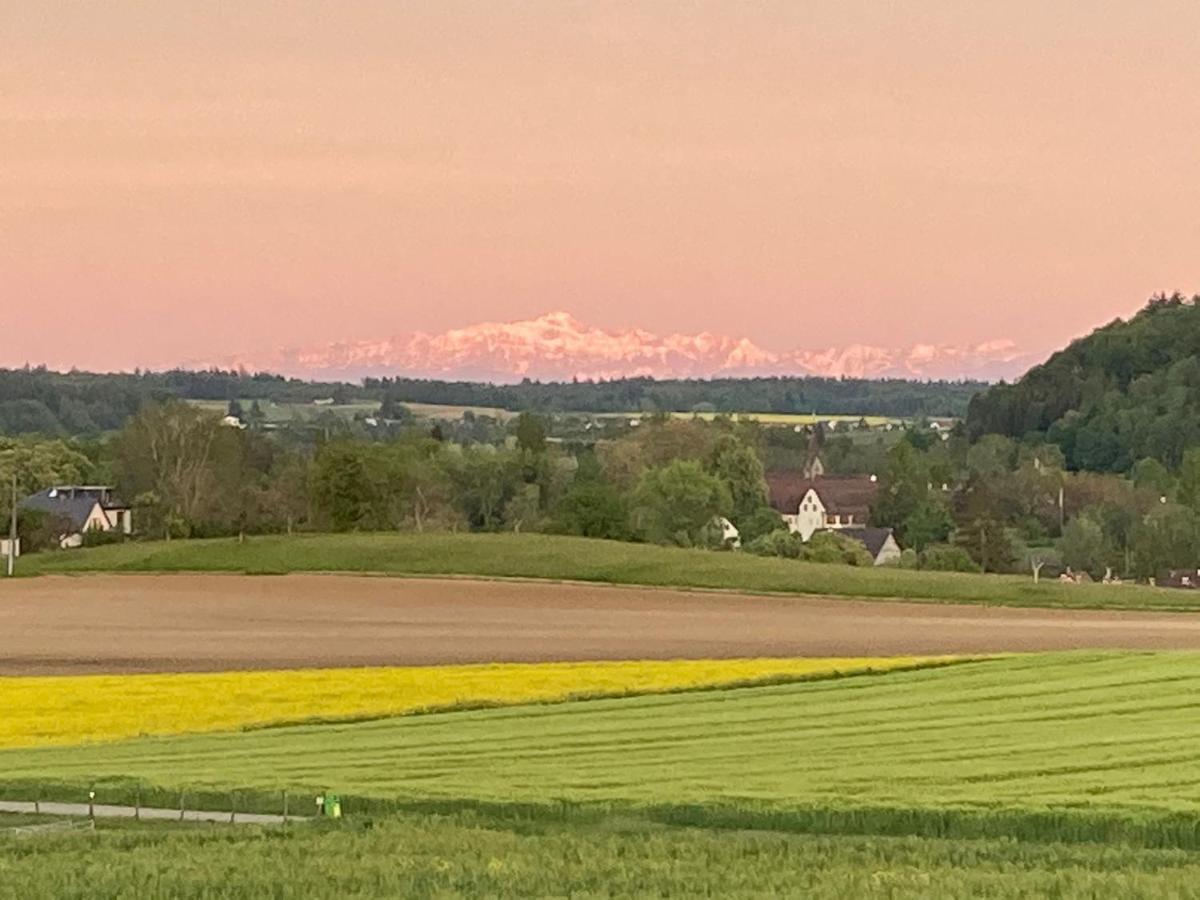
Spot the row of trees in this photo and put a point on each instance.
(1014, 506)
(188, 475)
(996, 504)
(38, 401)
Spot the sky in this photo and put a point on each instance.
(184, 180)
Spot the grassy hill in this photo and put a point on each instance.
(581, 559)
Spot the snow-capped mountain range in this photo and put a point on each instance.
(557, 346)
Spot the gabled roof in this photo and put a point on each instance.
(74, 507)
(844, 495)
(871, 538)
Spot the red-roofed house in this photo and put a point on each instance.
(831, 503)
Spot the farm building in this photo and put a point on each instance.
(840, 503)
(80, 509)
(827, 502)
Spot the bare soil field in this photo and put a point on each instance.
(158, 623)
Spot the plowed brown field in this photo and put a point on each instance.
(157, 623)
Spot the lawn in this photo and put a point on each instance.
(539, 556)
(1083, 746)
(480, 856)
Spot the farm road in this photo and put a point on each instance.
(173, 623)
(108, 811)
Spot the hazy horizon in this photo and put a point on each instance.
(190, 183)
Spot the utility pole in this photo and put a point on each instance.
(12, 526)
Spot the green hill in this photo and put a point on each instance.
(1128, 391)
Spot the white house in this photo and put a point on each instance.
(839, 503)
(730, 536)
(80, 509)
(830, 501)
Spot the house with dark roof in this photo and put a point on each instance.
(80, 509)
(880, 543)
(839, 503)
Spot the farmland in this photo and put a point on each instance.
(473, 854)
(1040, 747)
(75, 710)
(1068, 774)
(107, 624)
(537, 556)
(1055, 774)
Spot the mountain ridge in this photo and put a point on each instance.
(558, 346)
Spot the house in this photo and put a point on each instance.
(880, 543)
(730, 536)
(82, 508)
(828, 502)
(840, 503)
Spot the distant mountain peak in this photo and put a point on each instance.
(558, 346)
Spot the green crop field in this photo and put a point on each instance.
(1061, 775)
(480, 856)
(582, 559)
(1051, 747)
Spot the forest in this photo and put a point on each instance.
(1126, 393)
(39, 401)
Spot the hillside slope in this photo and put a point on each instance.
(1126, 392)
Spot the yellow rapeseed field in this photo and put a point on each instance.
(42, 711)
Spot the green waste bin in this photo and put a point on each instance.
(332, 806)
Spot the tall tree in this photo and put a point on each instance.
(162, 460)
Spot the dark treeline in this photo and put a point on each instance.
(1128, 392)
(850, 396)
(39, 401)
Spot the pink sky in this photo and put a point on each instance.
(185, 180)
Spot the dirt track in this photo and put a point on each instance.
(143, 623)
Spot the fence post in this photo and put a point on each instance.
(37, 801)
(232, 806)
(92, 806)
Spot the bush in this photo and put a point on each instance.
(97, 538)
(831, 547)
(781, 543)
(761, 523)
(39, 530)
(945, 558)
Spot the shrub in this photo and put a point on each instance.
(831, 547)
(781, 543)
(946, 558)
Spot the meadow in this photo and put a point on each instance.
(539, 556)
(1055, 747)
(70, 710)
(468, 854)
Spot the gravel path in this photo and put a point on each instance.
(107, 811)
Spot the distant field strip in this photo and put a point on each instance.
(1085, 731)
(46, 711)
